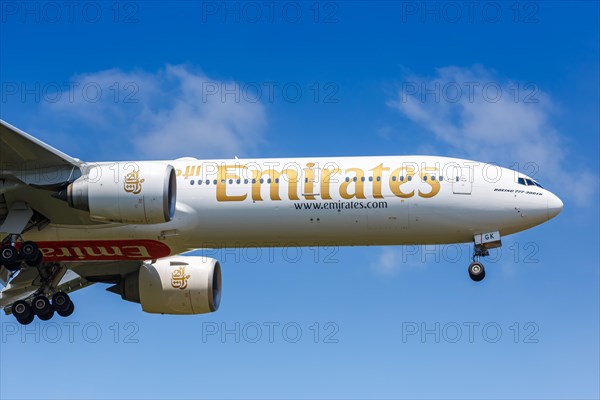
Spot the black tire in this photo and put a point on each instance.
(47, 316)
(476, 271)
(68, 312)
(22, 311)
(13, 267)
(29, 251)
(8, 254)
(26, 321)
(36, 261)
(61, 301)
(41, 306)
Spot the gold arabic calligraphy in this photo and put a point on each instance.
(179, 280)
(133, 183)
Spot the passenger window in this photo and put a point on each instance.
(192, 182)
(425, 178)
(441, 178)
(393, 178)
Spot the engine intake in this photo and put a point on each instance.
(133, 193)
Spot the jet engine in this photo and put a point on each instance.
(174, 285)
(132, 193)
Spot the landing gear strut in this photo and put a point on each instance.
(476, 269)
(483, 242)
(15, 253)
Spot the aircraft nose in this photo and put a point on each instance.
(555, 205)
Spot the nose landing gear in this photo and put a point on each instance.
(476, 269)
(483, 242)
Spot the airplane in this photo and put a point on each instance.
(66, 224)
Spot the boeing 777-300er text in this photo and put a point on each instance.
(66, 224)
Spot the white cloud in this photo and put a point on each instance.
(391, 260)
(171, 113)
(486, 118)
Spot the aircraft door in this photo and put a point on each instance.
(462, 181)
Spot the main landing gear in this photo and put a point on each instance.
(14, 251)
(41, 306)
(15, 254)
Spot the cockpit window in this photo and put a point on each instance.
(528, 182)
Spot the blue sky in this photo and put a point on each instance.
(137, 80)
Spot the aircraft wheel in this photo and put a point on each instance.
(61, 302)
(476, 271)
(23, 312)
(13, 267)
(26, 321)
(46, 316)
(29, 251)
(68, 311)
(36, 261)
(41, 306)
(8, 254)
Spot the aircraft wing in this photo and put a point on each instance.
(71, 276)
(17, 148)
(31, 172)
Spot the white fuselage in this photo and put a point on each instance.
(328, 201)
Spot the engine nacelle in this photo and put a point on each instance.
(174, 285)
(132, 193)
